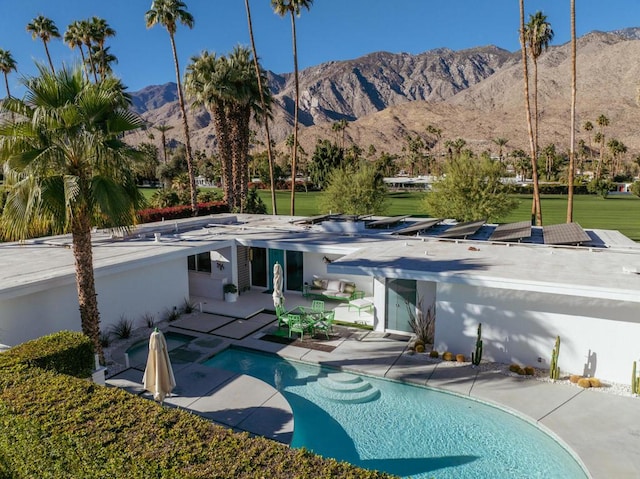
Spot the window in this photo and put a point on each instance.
(200, 262)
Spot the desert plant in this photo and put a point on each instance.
(149, 320)
(422, 323)
(105, 339)
(419, 348)
(477, 356)
(448, 356)
(515, 368)
(595, 383)
(529, 371)
(460, 358)
(122, 329)
(584, 383)
(188, 307)
(172, 314)
(434, 354)
(635, 381)
(554, 371)
(574, 378)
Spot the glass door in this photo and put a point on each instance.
(401, 298)
(258, 267)
(294, 271)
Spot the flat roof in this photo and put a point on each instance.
(604, 270)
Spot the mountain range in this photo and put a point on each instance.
(474, 94)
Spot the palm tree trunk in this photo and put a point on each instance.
(46, 49)
(93, 65)
(222, 133)
(536, 215)
(572, 146)
(85, 282)
(84, 62)
(295, 115)
(6, 84)
(185, 125)
(264, 110)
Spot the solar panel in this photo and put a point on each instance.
(422, 225)
(386, 222)
(565, 233)
(462, 230)
(310, 220)
(512, 231)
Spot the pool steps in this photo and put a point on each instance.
(347, 388)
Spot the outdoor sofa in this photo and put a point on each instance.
(335, 289)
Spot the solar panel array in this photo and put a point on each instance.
(420, 226)
(386, 222)
(565, 233)
(512, 231)
(310, 220)
(462, 230)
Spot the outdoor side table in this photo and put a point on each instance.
(360, 304)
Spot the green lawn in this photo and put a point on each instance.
(616, 212)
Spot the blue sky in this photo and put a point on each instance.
(331, 30)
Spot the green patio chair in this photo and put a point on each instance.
(296, 324)
(326, 325)
(281, 314)
(317, 306)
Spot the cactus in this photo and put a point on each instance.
(477, 356)
(554, 371)
(635, 381)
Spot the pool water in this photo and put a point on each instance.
(139, 352)
(406, 430)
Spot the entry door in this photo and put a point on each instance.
(401, 298)
(259, 267)
(275, 255)
(294, 270)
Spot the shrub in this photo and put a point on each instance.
(529, 371)
(175, 212)
(448, 356)
(420, 348)
(595, 383)
(460, 358)
(188, 307)
(148, 320)
(230, 288)
(515, 368)
(584, 383)
(574, 378)
(172, 314)
(422, 323)
(122, 329)
(434, 354)
(105, 339)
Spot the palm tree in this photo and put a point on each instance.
(103, 58)
(100, 31)
(501, 142)
(163, 129)
(293, 7)
(86, 34)
(45, 29)
(572, 152)
(602, 122)
(588, 127)
(7, 64)
(73, 37)
(536, 211)
(272, 179)
(168, 13)
(68, 169)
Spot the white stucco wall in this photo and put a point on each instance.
(150, 289)
(598, 337)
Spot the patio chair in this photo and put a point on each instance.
(296, 324)
(326, 325)
(281, 314)
(317, 306)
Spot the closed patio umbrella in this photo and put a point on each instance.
(158, 375)
(278, 297)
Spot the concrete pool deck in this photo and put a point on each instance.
(602, 429)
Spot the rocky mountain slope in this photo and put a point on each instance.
(475, 94)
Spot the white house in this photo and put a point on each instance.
(524, 293)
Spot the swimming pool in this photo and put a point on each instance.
(139, 351)
(406, 430)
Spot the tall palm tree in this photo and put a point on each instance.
(293, 7)
(45, 29)
(501, 142)
(536, 211)
(67, 168)
(74, 39)
(572, 148)
(163, 129)
(588, 127)
(602, 122)
(272, 179)
(100, 31)
(103, 58)
(168, 13)
(86, 34)
(7, 65)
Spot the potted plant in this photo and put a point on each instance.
(230, 292)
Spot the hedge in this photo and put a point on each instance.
(54, 425)
(184, 211)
